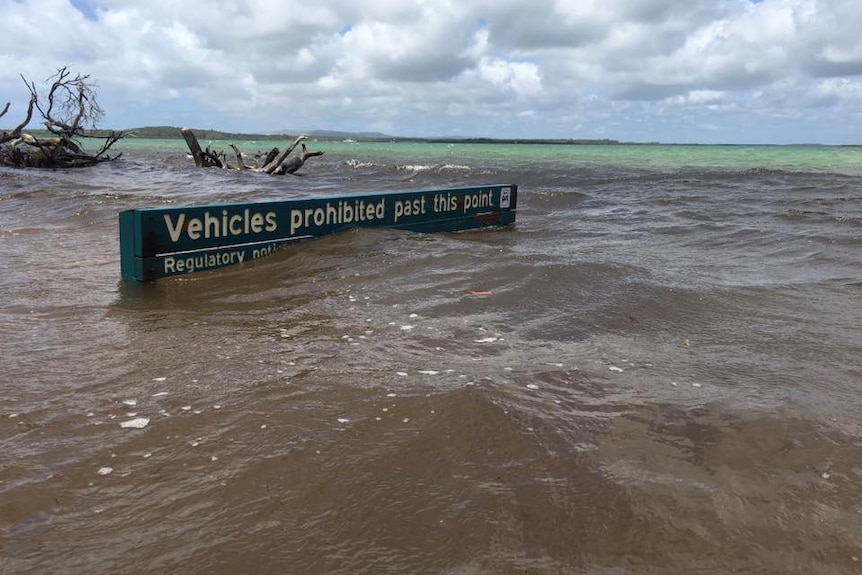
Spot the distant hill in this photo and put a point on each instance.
(173, 133)
(338, 135)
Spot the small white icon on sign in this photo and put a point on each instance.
(504, 197)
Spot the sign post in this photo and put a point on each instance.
(163, 242)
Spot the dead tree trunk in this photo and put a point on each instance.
(275, 163)
(290, 165)
(203, 159)
(69, 106)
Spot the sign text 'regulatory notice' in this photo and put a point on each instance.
(160, 242)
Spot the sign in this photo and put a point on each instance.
(162, 242)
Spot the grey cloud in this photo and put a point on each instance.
(826, 68)
(646, 91)
(424, 69)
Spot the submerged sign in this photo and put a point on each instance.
(162, 242)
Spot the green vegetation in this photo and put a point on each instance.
(173, 133)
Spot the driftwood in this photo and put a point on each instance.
(274, 162)
(68, 108)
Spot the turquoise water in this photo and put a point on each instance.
(833, 159)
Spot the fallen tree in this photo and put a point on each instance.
(275, 162)
(69, 107)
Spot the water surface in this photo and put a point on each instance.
(661, 374)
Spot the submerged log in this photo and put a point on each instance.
(275, 162)
(290, 165)
(202, 159)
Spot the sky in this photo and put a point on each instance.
(673, 71)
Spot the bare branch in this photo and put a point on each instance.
(291, 165)
(16, 131)
(69, 106)
(109, 141)
(273, 163)
(242, 166)
(270, 156)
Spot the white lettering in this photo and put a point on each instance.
(234, 228)
(212, 226)
(189, 264)
(413, 207)
(194, 228)
(174, 231)
(341, 212)
(480, 200)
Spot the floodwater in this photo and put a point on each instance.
(657, 369)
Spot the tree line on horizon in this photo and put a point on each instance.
(173, 133)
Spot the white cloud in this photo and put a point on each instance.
(627, 69)
(521, 78)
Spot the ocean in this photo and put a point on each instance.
(656, 370)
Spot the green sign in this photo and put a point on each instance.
(162, 242)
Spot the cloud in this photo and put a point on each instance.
(547, 68)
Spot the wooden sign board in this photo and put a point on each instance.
(162, 242)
